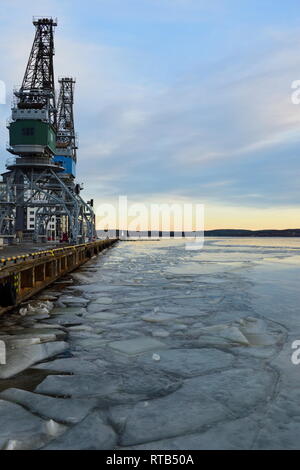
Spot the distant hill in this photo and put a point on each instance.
(252, 233)
(207, 233)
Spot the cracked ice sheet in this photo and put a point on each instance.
(275, 293)
(201, 401)
(281, 424)
(264, 289)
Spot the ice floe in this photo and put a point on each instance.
(71, 365)
(163, 417)
(136, 345)
(227, 332)
(22, 358)
(22, 430)
(190, 362)
(92, 433)
(68, 410)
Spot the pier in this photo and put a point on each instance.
(23, 275)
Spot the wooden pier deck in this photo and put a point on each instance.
(24, 274)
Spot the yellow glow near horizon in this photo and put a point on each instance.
(279, 218)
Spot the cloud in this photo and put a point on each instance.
(236, 122)
(199, 112)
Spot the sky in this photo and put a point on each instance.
(177, 101)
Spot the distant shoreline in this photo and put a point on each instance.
(289, 233)
(252, 233)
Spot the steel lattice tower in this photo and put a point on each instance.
(38, 87)
(35, 177)
(66, 137)
(66, 145)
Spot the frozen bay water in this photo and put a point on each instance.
(155, 347)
